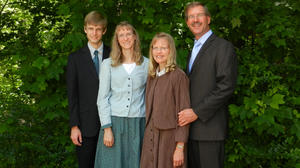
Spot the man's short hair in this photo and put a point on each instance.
(95, 17)
(194, 4)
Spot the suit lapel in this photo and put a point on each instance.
(89, 62)
(187, 64)
(106, 52)
(207, 43)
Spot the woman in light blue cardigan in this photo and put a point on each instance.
(121, 101)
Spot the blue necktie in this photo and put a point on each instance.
(96, 61)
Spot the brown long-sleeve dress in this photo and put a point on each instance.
(166, 95)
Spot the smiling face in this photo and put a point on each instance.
(126, 38)
(161, 52)
(94, 33)
(197, 21)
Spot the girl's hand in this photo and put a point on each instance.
(178, 157)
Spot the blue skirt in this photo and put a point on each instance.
(126, 150)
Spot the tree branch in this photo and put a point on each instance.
(3, 7)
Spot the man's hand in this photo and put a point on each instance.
(76, 136)
(108, 138)
(186, 116)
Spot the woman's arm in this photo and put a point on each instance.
(104, 109)
(178, 156)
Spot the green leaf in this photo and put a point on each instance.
(234, 110)
(51, 115)
(233, 157)
(3, 128)
(63, 9)
(296, 100)
(41, 62)
(276, 100)
(235, 22)
(295, 129)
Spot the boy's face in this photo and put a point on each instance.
(94, 33)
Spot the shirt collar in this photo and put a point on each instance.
(202, 39)
(160, 73)
(92, 49)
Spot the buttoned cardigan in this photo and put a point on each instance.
(121, 94)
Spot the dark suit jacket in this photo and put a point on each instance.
(212, 81)
(82, 85)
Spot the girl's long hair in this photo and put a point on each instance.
(171, 61)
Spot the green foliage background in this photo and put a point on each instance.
(37, 36)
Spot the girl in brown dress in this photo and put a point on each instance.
(167, 93)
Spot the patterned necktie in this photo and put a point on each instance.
(96, 61)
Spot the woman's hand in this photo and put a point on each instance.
(108, 138)
(178, 156)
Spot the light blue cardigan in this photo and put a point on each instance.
(121, 94)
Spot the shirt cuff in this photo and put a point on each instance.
(106, 126)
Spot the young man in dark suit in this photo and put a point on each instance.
(212, 71)
(82, 84)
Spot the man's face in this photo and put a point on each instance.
(197, 21)
(94, 33)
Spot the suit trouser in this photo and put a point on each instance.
(87, 151)
(205, 154)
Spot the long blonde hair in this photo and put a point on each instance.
(171, 61)
(116, 52)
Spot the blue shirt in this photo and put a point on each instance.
(197, 46)
(121, 94)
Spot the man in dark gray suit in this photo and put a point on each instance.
(212, 70)
(82, 84)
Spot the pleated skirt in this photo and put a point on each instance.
(126, 151)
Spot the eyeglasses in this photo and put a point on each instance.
(198, 16)
(125, 35)
(160, 48)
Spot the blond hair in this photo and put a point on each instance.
(171, 61)
(116, 52)
(95, 17)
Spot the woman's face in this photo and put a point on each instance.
(126, 38)
(161, 51)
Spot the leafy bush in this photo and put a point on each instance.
(37, 36)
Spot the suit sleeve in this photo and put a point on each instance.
(72, 88)
(182, 100)
(104, 94)
(226, 75)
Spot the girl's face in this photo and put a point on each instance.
(161, 51)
